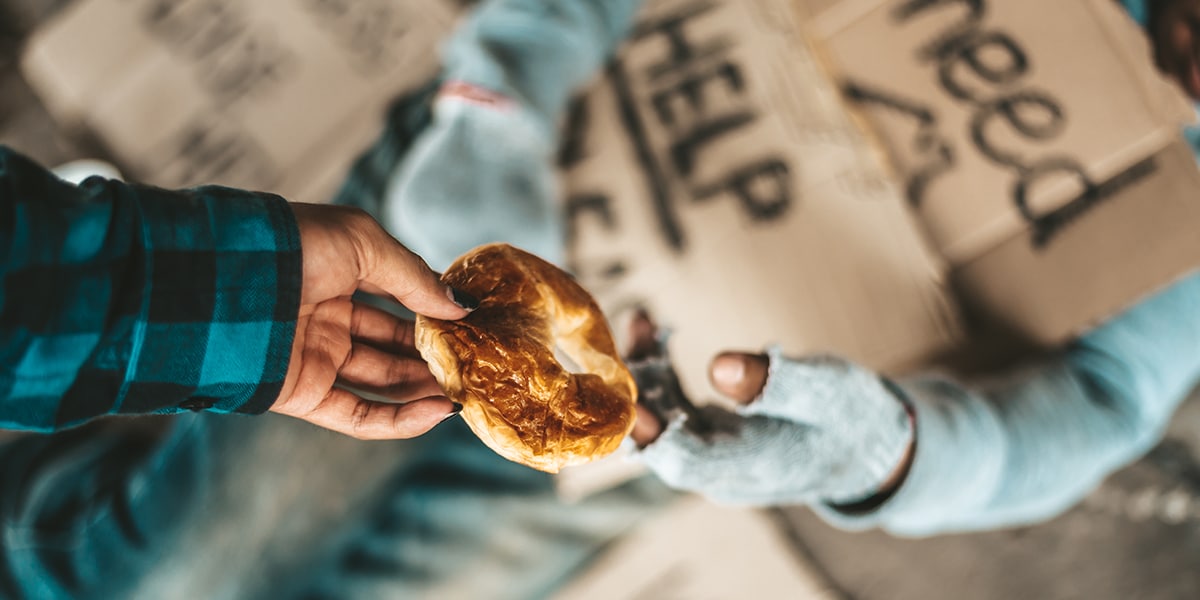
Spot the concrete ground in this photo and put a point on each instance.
(1138, 536)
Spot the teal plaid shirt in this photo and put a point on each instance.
(123, 299)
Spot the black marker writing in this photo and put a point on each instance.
(983, 68)
(680, 91)
(230, 59)
(205, 151)
(370, 31)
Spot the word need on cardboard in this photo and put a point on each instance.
(986, 69)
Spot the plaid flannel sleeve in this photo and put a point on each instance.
(119, 299)
(1138, 9)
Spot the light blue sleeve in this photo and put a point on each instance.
(540, 51)
(1029, 448)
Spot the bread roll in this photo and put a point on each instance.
(500, 361)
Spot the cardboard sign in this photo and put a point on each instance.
(716, 179)
(1024, 149)
(268, 95)
(1035, 141)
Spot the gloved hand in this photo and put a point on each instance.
(804, 431)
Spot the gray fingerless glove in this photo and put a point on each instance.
(823, 430)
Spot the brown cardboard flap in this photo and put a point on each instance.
(998, 119)
(71, 60)
(1136, 243)
(270, 95)
(752, 211)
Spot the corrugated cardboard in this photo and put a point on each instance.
(717, 180)
(270, 94)
(1136, 242)
(1037, 144)
(1061, 96)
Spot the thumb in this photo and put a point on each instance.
(390, 268)
(739, 376)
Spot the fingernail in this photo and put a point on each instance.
(462, 299)
(454, 412)
(728, 371)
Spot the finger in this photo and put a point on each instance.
(1191, 83)
(346, 413)
(643, 337)
(396, 393)
(368, 287)
(1164, 33)
(398, 377)
(1192, 57)
(382, 329)
(394, 269)
(1180, 47)
(646, 428)
(739, 376)
(1163, 57)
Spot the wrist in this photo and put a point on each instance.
(222, 299)
(890, 484)
(885, 492)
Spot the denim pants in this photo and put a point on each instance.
(207, 506)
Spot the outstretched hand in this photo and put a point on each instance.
(343, 344)
(818, 429)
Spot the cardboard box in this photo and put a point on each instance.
(268, 95)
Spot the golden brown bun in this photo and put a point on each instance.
(499, 361)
